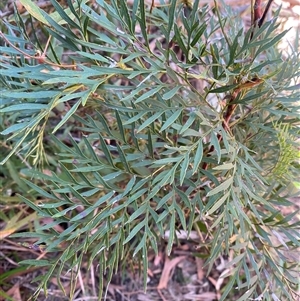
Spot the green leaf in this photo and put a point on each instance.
(223, 89)
(135, 118)
(24, 107)
(184, 167)
(41, 212)
(171, 21)
(141, 244)
(265, 45)
(150, 145)
(125, 12)
(40, 191)
(224, 166)
(172, 232)
(165, 161)
(67, 116)
(123, 159)
(149, 121)
(142, 209)
(136, 196)
(216, 144)
(179, 40)
(129, 186)
(234, 47)
(188, 123)
(249, 293)
(170, 120)
(218, 204)
(171, 93)
(134, 231)
(164, 200)
(34, 10)
(148, 94)
(222, 187)
(37, 263)
(142, 21)
(106, 151)
(198, 156)
(30, 95)
(228, 288)
(235, 260)
(64, 14)
(18, 127)
(120, 126)
(198, 35)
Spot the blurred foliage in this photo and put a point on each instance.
(141, 120)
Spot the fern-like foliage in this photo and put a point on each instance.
(184, 109)
(289, 153)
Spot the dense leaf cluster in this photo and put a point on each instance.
(191, 123)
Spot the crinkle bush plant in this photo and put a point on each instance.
(171, 118)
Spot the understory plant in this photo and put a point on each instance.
(139, 121)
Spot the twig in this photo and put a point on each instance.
(258, 16)
(262, 19)
(257, 12)
(231, 109)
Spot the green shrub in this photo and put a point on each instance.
(171, 119)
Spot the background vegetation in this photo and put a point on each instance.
(127, 125)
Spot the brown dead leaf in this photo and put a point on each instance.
(158, 259)
(216, 285)
(208, 296)
(150, 273)
(14, 293)
(16, 223)
(168, 267)
(213, 281)
(199, 264)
